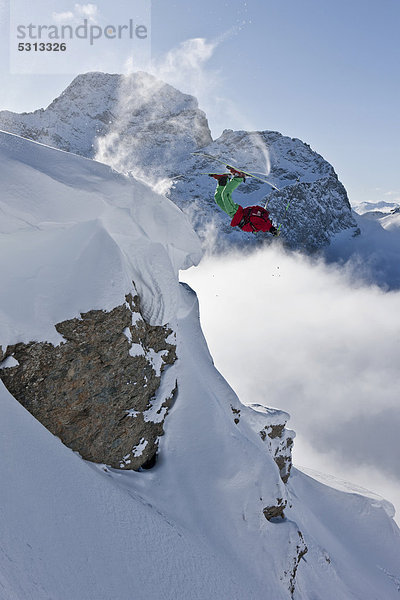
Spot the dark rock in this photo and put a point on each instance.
(280, 445)
(284, 461)
(275, 431)
(236, 412)
(275, 512)
(98, 390)
(301, 551)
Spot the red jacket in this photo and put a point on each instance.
(251, 218)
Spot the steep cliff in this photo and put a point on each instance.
(100, 391)
(88, 301)
(103, 345)
(96, 335)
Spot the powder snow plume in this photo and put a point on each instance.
(187, 68)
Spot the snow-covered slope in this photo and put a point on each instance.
(68, 532)
(350, 554)
(76, 237)
(79, 239)
(392, 220)
(374, 254)
(375, 208)
(73, 221)
(387, 214)
(213, 518)
(142, 125)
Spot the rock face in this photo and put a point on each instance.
(318, 206)
(317, 211)
(99, 391)
(141, 125)
(275, 512)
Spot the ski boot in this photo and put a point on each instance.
(221, 178)
(275, 232)
(236, 173)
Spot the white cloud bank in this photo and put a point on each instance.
(304, 337)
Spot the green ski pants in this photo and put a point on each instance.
(223, 196)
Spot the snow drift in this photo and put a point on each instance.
(75, 235)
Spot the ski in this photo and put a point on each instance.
(228, 163)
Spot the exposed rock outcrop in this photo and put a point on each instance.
(270, 425)
(300, 551)
(275, 512)
(316, 212)
(100, 390)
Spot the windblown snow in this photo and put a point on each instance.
(74, 235)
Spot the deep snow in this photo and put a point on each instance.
(74, 234)
(67, 531)
(192, 527)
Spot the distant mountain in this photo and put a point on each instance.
(391, 221)
(141, 125)
(381, 207)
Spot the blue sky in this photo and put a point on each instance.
(327, 73)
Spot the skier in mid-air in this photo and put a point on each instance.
(251, 218)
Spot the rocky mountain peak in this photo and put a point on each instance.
(306, 182)
(140, 125)
(99, 113)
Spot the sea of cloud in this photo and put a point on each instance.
(312, 339)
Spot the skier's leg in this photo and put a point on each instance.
(218, 196)
(229, 206)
